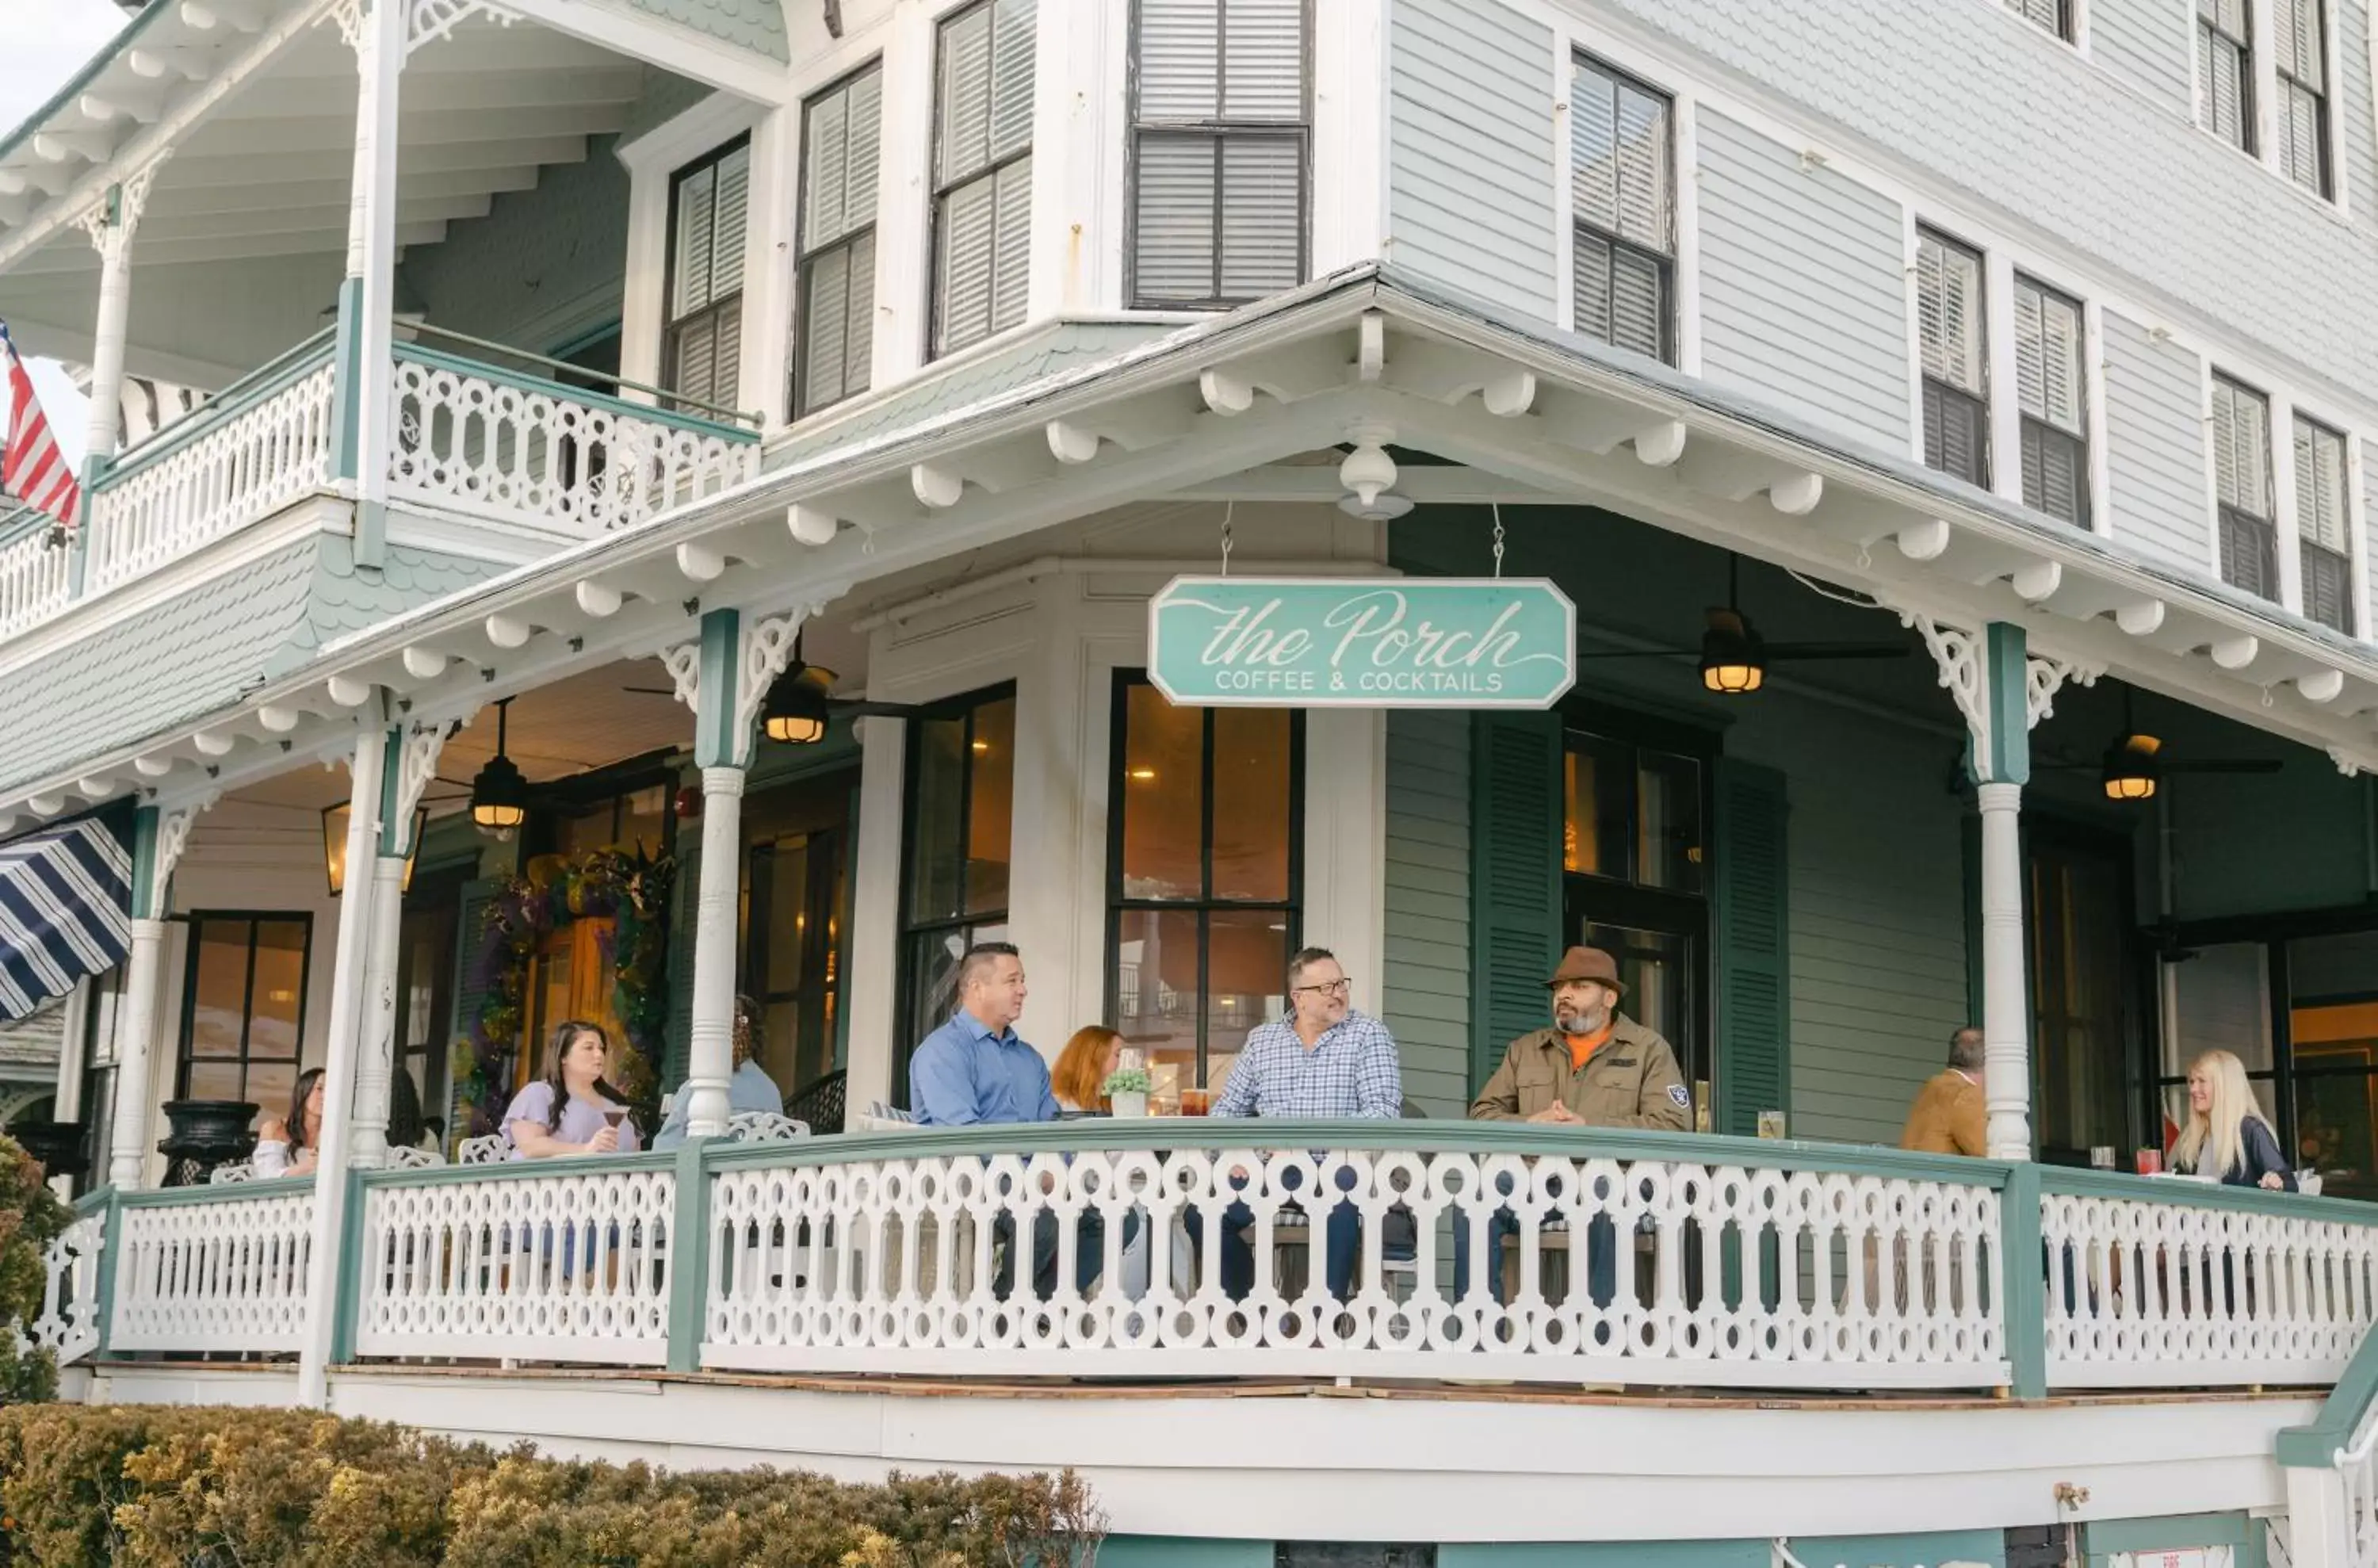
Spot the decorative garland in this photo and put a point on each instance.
(633, 890)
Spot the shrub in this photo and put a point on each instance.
(31, 1218)
(212, 1487)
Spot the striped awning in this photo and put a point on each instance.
(66, 897)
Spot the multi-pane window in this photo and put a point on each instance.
(1220, 153)
(2055, 16)
(2241, 489)
(2321, 527)
(982, 171)
(841, 139)
(2049, 386)
(2225, 71)
(1956, 385)
(2301, 58)
(244, 1007)
(1623, 201)
(953, 893)
(1204, 866)
(708, 204)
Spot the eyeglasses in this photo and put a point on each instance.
(1339, 987)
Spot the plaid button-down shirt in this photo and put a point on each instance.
(1350, 1071)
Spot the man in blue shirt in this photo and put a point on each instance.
(976, 1071)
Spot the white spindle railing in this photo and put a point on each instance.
(2152, 1291)
(2357, 1463)
(225, 1270)
(68, 1323)
(36, 576)
(477, 439)
(215, 473)
(1714, 1273)
(566, 1262)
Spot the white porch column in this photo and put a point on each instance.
(158, 835)
(368, 299)
(2320, 1520)
(109, 224)
(339, 1071)
(406, 770)
(724, 677)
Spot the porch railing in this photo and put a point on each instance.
(1633, 1258)
(545, 455)
(36, 576)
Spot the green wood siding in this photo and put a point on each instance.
(1425, 998)
(1516, 871)
(1754, 984)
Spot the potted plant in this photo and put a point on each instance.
(1127, 1091)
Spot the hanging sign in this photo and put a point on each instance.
(1361, 642)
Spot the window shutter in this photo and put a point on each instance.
(1263, 190)
(964, 273)
(1636, 309)
(1754, 1018)
(1014, 39)
(2242, 463)
(844, 146)
(731, 210)
(1515, 878)
(1593, 146)
(2327, 596)
(2040, 13)
(1175, 254)
(1012, 263)
(825, 322)
(1264, 62)
(965, 107)
(1949, 312)
(2047, 356)
(858, 351)
(1179, 67)
(2319, 486)
(695, 196)
(470, 926)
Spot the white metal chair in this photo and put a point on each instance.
(238, 1170)
(408, 1159)
(764, 1127)
(489, 1150)
(881, 1118)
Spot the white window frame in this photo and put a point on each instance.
(801, 250)
(2284, 403)
(935, 191)
(1997, 352)
(2001, 277)
(2076, 20)
(1669, 351)
(2262, 86)
(2279, 477)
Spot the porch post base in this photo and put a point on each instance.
(711, 1038)
(127, 1159)
(2006, 1073)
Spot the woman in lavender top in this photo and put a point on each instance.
(571, 1110)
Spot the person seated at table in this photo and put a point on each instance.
(2227, 1137)
(293, 1148)
(1325, 1058)
(976, 1071)
(1080, 1076)
(751, 1088)
(571, 1109)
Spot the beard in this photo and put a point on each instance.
(1581, 1020)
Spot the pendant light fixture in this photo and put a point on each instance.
(794, 712)
(499, 795)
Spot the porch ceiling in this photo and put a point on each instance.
(1532, 415)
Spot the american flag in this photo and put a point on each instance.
(32, 467)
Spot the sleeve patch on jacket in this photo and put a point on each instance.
(1677, 1092)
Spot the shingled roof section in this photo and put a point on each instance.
(756, 25)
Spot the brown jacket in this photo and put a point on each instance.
(1949, 1116)
(1631, 1081)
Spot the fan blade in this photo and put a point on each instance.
(2233, 764)
(1638, 653)
(859, 707)
(1838, 650)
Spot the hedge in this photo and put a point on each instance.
(148, 1487)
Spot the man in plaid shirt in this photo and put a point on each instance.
(1326, 1059)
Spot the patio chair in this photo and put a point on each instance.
(819, 1103)
(489, 1150)
(764, 1127)
(238, 1170)
(405, 1158)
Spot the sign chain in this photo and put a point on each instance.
(1227, 507)
(1498, 537)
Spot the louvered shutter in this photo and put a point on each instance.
(1622, 201)
(731, 215)
(964, 109)
(1180, 59)
(1949, 312)
(1263, 210)
(1752, 919)
(696, 197)
(1515, 886)
(2047, 356)
(962, 274)
(982, 263)
(2320, 485)
(2242, 460)
(2046, 13)
(1263, 69)
(842, 137)
(1012, 240)
(1177, 254)
(826, 359)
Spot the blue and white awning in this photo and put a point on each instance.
(64, 903)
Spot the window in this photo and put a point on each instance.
(1205, 856)
(2302, 92)
(1218, 157)
(2048, 379)
(795, 907)
(243, 1009)
(1949, 328)
(2241, 489)
(1623, 201)
(2054, 16)
(2225, 72)
(427, 941)
(2323, 532)
(982, 171)
(961, 809)
(707, 203)
(841, 139)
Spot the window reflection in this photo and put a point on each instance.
(959, 848)
(244, 1007)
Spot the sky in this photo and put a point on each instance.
(42, 44)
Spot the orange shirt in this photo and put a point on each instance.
(1581, 1047)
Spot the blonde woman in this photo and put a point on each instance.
(2227, 1137)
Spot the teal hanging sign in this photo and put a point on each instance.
(1361, 642)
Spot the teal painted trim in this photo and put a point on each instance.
(1181, 1551)
(503, 1170)
(111, 1259)
(234, 399)
(347, 386)
(688, 1259)
(2184, 1193)
(2175, 1532)
(347, 1281)
(2314, 1447)
(90, 1203)
(144, 862)
(1606, 1554)
(1970, 845)
(395, 827)
(114, 49)
(19, 521)
(1986, 1547)
(185, 1196)
(2024, 1267)
(420, 355)
(2006, 688)
(716, 743)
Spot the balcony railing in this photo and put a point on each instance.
(1636, 1257)
(36, 572)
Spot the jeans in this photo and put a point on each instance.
(1343, 1245)
(1601, 1251)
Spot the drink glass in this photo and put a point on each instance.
(2150, 1161)
(1197, 1102)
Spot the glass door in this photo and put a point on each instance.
(2077, 885)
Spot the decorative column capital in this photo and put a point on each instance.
(1958, 652)
(109, 221)
(2045, 675)
(171, 837)
(412, 762)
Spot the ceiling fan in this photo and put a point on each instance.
(2134, 766)
(796, 706)
(1734, 657)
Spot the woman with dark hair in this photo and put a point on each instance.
(292, 1147)
(750, 1088)
(572, 1109)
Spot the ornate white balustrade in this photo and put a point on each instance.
(255, 447)
(36, 576)
(563, 1262)
(538, 453)
(2357, 1466)
(213, 1268)
(68, 1324)
(2169, 1284)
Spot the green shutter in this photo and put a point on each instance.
(1515, 886)
(1754, 993)
(469, 922)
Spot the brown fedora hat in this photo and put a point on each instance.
(1587, 963)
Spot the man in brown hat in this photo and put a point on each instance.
(1594, 1067)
